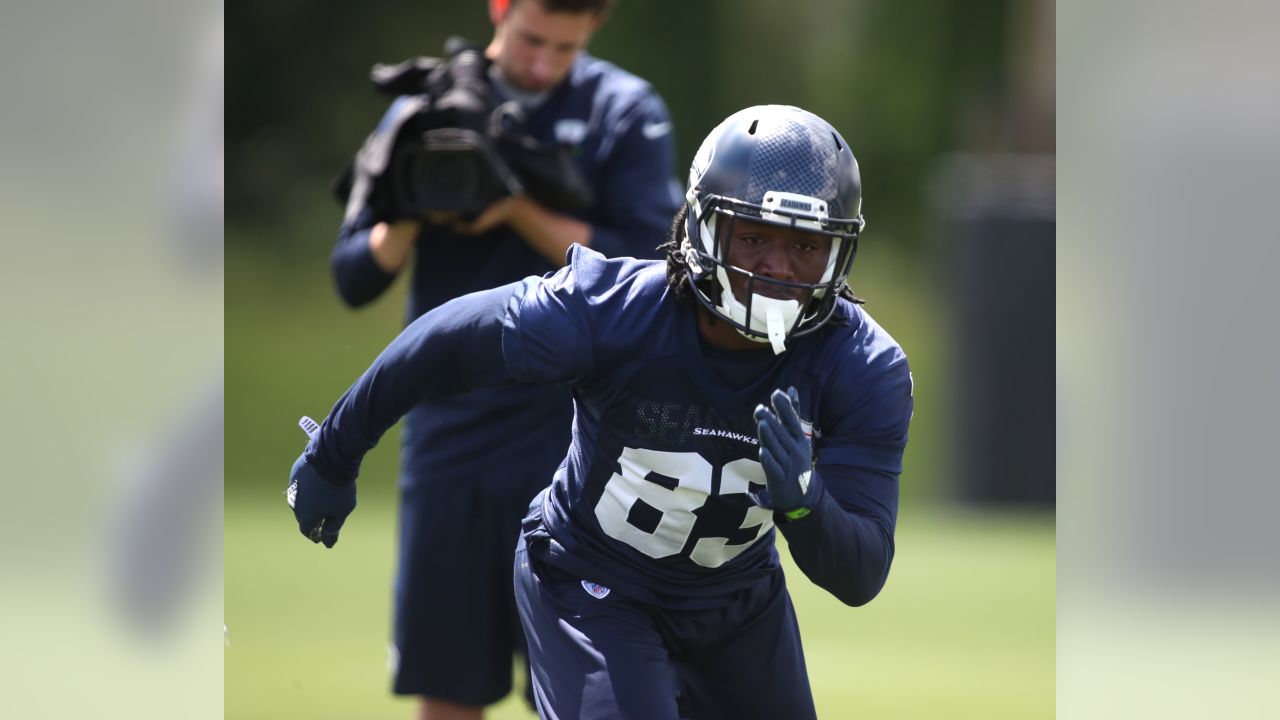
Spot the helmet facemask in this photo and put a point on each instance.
(761, 318)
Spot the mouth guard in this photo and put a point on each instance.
(776, 328)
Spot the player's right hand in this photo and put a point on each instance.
(319, 506)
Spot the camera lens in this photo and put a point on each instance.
(451, 174)
(448, 172)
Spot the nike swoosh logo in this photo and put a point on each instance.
(653, 131)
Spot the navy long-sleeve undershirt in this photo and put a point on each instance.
(455, 348)
(845, 552)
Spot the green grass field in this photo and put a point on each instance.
(964, 629)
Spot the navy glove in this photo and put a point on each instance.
(792, 486)
(319, 506)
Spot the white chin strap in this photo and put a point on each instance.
(771, 316)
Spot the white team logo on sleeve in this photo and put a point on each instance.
(807, 427)
(570, 131)
(655, 130)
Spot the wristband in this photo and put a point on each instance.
(797, 513)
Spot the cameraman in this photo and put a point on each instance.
(470, 465)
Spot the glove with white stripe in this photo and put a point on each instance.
(319, 506)
(793, 488)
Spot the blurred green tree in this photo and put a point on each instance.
(903, 80)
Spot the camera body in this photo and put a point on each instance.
(445, 158)
(454, 149)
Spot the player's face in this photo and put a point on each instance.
(780, 253)
(539, 47)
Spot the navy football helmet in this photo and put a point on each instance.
(784, 166)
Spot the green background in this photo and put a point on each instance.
(965, 626)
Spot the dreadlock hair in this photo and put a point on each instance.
(677, 278)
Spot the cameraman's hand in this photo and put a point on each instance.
(548, 232)
(442, 219)
(496, 215)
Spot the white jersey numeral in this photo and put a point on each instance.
(714, 551)
(676, 484)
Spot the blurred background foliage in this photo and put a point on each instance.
(904, 81)
(949, 107)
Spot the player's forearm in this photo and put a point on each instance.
(455, 348)
(547, 232)
(845, 553)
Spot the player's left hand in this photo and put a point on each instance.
(786, 453)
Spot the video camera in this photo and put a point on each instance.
(446, 146)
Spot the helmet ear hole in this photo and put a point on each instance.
(752, 130)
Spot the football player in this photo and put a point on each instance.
(733, 391)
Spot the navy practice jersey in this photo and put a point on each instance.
(651, 500)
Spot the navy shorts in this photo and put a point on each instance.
(597, 654)
(456, 630)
